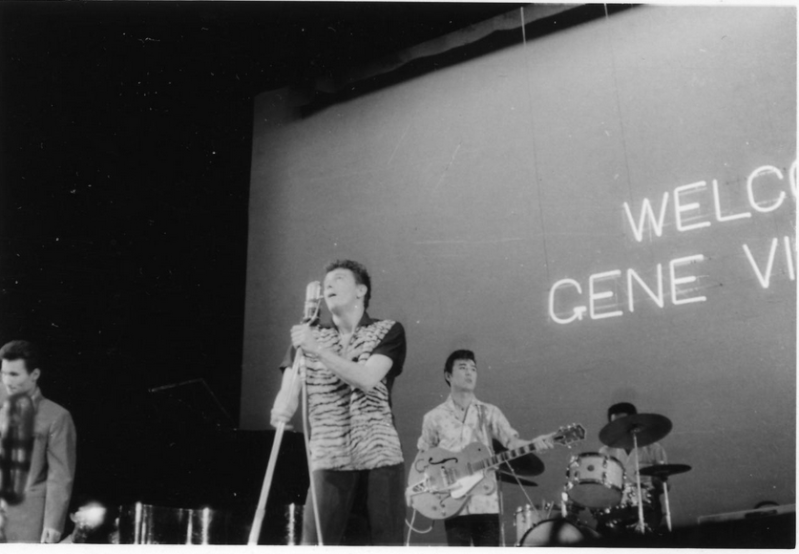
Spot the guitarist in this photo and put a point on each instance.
(459, 421)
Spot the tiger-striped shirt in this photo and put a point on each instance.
(352, 429)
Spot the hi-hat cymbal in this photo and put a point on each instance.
(647, 428)
(664, 470)
(528, 465)
(508, 477)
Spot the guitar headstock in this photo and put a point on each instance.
(569, 434)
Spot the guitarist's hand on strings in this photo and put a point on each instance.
(543, 442)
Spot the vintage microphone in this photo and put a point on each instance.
(313, 297)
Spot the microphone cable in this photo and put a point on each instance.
(411, 528)
(307, 440)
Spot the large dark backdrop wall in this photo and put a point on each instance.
(125, 166)
(125, 149)
(603, 213)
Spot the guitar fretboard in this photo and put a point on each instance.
(502, 457)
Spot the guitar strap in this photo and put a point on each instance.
(489, 444)
(482, 421)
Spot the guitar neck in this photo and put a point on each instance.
(564, 436)
(503, 457)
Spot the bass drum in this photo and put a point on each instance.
(557, 532)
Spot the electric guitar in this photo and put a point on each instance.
(441, 482)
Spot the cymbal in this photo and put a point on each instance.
(528, 465)
(664, 470)
(647, 428)
(508, 477)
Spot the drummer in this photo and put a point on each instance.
(651, 454)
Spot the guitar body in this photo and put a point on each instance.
(446, 482)
(440, 482)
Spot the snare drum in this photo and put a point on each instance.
(556, 532)
(595, 480)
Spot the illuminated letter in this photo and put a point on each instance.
(719, 217)
(764, 279)
(592, 296)
(577, 311)
(657, 298)
(646, 212)
(683, 280)
(679, 209)
(789, 258)
(763, 170)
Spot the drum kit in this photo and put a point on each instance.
(597, 482)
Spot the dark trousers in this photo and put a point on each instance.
(473, 530)
(365, 508)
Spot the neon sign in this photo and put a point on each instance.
(571, 301)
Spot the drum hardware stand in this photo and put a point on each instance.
(651, 427)
(662, 471)
(668, 510)
(640, 527)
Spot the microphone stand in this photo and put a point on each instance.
(307, 435)
(255, 531)
(313, 296)
(640, 527)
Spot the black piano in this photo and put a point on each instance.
(189, 472)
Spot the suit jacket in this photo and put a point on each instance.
(52, 472)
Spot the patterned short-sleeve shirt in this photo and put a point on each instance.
(352, 429)
(450, 427)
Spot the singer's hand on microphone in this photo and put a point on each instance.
(302, 336)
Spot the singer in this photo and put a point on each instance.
(41, 515)
(356, 460)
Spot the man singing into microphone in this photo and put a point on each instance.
(356, 460)
(41, 515)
